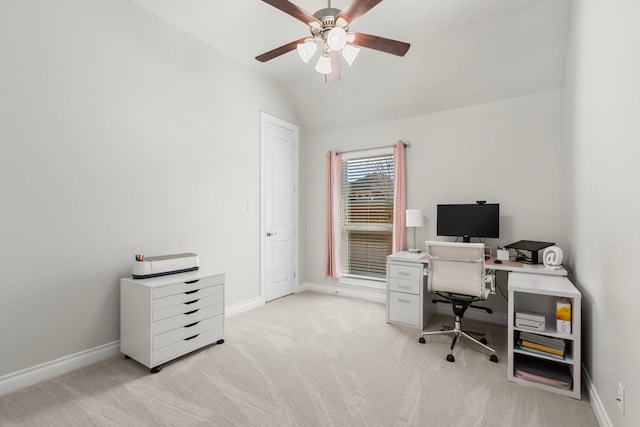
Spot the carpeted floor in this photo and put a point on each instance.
(308, 359)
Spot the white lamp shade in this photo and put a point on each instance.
(324, 64)
(337, 38)
(306, 50)
(349, 53)
(415, 218)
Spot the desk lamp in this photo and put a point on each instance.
(414, 219)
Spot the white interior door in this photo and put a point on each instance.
(279, 207)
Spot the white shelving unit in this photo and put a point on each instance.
(539, 294)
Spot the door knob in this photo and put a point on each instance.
(269, 234)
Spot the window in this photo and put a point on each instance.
(367, 214)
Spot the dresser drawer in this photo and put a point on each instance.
(195, 328)
(184, 346)
(404, 308)
(183, 297)
(407, 272)
(404, 285)
(182, 287)
(175, 322)
(196, 304)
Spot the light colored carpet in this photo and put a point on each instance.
(303, 360)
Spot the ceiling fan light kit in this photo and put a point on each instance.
(337, 39)
(324, 64)
(307, 49)
(329, 29)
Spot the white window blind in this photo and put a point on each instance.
(367, 215)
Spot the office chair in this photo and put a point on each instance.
(457, 274)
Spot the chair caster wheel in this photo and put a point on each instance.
(484, 341)
(421, 340)
(493, 358)
(450, 358)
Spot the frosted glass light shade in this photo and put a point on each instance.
(415, 218)
(349, 53)
(324, 64)
(306, 50)
(337, 38)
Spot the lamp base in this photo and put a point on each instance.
(415, 251)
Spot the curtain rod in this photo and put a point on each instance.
(406, 144)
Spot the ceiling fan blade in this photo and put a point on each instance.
(393, 47)
(334, 75)
(280, 50)
(356, 9)
(293, 10)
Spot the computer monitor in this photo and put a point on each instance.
(469, 220)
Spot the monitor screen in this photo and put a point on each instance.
(469, 220)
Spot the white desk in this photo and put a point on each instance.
(531, 288)
(407, 295)
(519, 267)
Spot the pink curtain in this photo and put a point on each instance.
(334, 194)
(399, 200)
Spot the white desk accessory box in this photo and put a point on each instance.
(563, 316)
(533, 321)
(145, 267)
(502, 254)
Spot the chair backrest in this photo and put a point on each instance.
(457, 268)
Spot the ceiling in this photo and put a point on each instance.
(463, 52)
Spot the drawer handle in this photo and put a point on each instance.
(192, 324)
(404, 286)
(191, 292)
(192, 311)
(193, 281)
(191, 302)
(403, 300)
(404, 273)
(190, 338)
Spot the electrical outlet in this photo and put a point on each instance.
(620, 398)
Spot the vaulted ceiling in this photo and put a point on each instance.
(463, 52)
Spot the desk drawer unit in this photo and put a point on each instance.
(166, 317)
(405, 292)
(404, 308)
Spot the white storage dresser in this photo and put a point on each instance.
(165, 317)
(407, 298)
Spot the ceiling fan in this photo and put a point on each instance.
(330, 32)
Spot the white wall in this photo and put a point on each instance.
(603, 107)
(509, 152)
(120, 134)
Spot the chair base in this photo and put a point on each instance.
(458, 334)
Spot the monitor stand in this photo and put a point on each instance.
(466, 239)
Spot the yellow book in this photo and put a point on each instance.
(541, 347)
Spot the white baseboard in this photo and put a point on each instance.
(30, 376)
(243, 306)
(334, 290)
(596, 402)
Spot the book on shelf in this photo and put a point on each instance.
(543, 340)
(543, 348)
(539, 352)
(543, 372)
